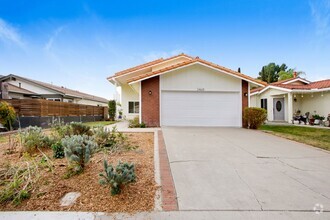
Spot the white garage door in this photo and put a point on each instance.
(200, 109)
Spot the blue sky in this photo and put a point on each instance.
(78, 44)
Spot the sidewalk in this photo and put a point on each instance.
(122, 126)
(182, 215)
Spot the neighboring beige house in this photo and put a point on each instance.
(17, 87)
(284, 98)
(183, 91)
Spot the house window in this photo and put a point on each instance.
(264, 103)
(133, 107)
(54, 99)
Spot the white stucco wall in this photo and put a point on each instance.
(89, 102)
(128, 94)
(270, 94)
(315, 105)
(31, 87)
(199, 77)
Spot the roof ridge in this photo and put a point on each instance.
(61, 88)
(160, 60)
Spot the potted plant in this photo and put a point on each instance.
(120, 114)
(311, 120)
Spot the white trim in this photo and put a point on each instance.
(296, 79)
(194, 63)
(249, 98)
(160, 101)
(241, 105)
(291, 90)
(140, 104)
(162, 62)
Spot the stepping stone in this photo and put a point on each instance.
(70, 198)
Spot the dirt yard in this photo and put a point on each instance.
(138, 196)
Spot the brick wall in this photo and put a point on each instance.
(150, 103)
(245, 99)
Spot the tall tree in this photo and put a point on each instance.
(270, 72)
(289, 74)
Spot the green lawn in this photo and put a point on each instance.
(316, 137)
(99, 123)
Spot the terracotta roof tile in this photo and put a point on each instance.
(151, 63)
(313, 85)
(195, 60)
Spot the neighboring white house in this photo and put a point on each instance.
(183, 91)
(285, 98)
(17, 87)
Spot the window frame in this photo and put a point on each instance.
(136, 109)
(263, 103)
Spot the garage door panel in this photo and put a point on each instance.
(200, 109)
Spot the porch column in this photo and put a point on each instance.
(290, 107)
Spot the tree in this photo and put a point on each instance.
(7, 115)
(289, 74)
(271, 72)
(112, 109)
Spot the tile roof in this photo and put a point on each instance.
(313, 85)
(151, 63)
(194, 60)
(16, 89)
(63, 90)
(287, 80)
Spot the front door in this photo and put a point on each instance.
(278, 109)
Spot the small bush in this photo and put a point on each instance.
(112, 109)
(123, 174)
(33, 138)
(60, 129)
(79, 128)
(78, 150)
(135, 123)
(7, 115)
(254, 117)
(58, 150)
(111, 140)
(19, 181)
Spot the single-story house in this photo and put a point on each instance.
(17, 87)
(183, 91)
(284, 98)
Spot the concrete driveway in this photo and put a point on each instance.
(228, 169)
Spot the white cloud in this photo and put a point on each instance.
(49, 44)
(321, 16)
(154, 55)
(10, 34)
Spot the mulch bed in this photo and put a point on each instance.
(137, 196)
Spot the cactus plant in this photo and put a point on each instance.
(78, 150)
(123, 174)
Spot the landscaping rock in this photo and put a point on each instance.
(70, 198)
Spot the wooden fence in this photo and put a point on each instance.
(41, 107)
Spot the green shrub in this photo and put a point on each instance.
(58, 150)
(78, 150)
(111, 140)
(79, 128)
(33, 138)
(123, 174)
(60, 129)
(254, 117)
(135, 123)
(19, 181)
(112, 109)
(7, 115)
